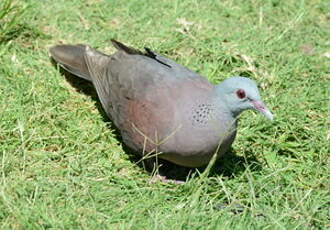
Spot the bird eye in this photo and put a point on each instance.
(240, 93)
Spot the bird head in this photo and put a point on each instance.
(241, 93)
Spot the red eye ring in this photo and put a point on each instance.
(240, 93)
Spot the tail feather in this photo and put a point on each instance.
(88, 63)
(72, 59)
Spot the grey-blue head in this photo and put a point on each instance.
(241, 93)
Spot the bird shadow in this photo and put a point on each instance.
(229, 165)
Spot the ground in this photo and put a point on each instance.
(62, 166)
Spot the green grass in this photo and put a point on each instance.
(62, 167)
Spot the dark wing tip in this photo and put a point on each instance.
(117, 44)
(130, 50)
(149, 52)
(120, 46)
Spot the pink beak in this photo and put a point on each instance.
(262, 108)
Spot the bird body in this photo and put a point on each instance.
(161, 107)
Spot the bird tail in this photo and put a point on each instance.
(87, 63)
(72, 59)
(77, 58)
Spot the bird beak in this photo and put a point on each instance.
(262, 108)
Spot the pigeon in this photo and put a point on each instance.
(161, 108)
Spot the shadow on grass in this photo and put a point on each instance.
(230, 165)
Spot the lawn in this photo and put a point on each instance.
(62, 165)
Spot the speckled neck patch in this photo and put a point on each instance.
(201, 114)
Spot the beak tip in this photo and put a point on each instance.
(271, 118)
(268, 114)
(260, 106)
